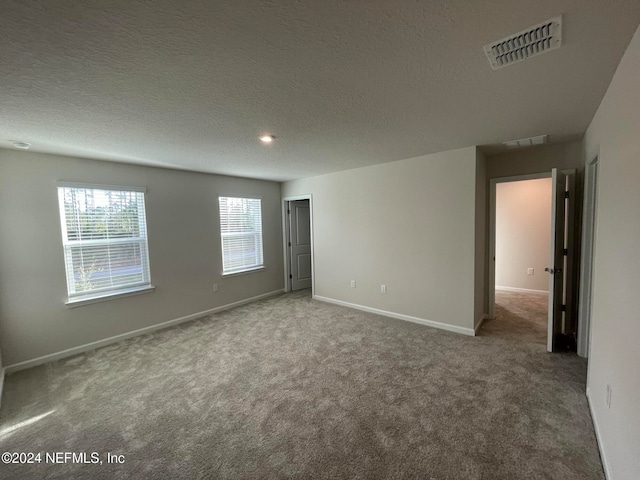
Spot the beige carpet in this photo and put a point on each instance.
(293, 388)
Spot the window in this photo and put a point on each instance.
(241, 234)
(104, 235)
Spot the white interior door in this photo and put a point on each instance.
(300, 244)
(557, 258)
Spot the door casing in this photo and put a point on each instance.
(589, 220)
(285, 240)
(492, 230)
(567, 265)
(299, 231)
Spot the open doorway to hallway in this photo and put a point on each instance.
(528, 216)
(522, 245)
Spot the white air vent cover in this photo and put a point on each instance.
(533, 41)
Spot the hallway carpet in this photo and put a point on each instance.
(520, 317)
(289, 387)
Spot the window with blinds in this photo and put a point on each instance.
(104, 235)
(241, 234)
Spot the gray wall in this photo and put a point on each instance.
(408, 224)
(536, 160)
(614, 356)
(184, 251)
(481, 287)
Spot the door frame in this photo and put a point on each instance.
(587, 258)
(492, 229)
(285, 240)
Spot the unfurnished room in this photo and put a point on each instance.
(320, 240)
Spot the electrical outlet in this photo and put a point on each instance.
(383, 289)
(215, 287)
(530, 271)
(609, 392)
(353, 284)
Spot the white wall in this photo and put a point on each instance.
(523, 229)
(184, 251)
(614, 358)
(408, 224)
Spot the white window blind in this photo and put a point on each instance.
(241, 233)
(104, 235)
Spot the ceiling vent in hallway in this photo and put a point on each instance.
(527, 142)
(541, 38)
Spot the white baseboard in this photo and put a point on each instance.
(399, 316)
(479, 324)
(118, 338)
(523, 290)
(605, 465)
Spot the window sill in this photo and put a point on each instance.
(244, 272)
(72, 303)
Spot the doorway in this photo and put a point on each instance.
(298, 243)
(522, 236)
(535, 258)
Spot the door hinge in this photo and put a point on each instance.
(565, 251)
(290, 276)
(566, 194)
(289, 212)
(289, 243)
(563, 308)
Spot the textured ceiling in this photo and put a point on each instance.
(342, 83)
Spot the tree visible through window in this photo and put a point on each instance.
(104, 235)
(241, 234)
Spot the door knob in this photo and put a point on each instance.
(552, 270)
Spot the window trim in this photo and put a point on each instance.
(247, 270)
(104, 294)
(244, 272)
(98, 186)
(88, 300)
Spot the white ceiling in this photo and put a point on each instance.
(341, 83)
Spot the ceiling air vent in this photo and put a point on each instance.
(527, 142)
(533, 41)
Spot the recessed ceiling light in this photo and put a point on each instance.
(267, 139)
(22, 145)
